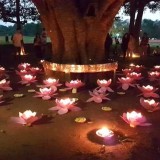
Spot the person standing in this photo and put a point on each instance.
(108, 44)
(17, 40)
(131, 45)
(124, 44)
(144, 45)
(44, 43)
(37, 46)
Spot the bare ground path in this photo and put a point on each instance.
(60, 138)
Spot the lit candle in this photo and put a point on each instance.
(134, 75)
(104, 132)
(149, 104)
(74, 84)
(135, 119)
(148, 91)
(64, 105)
(24, 66)
(51, 82)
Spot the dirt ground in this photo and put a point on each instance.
(59, 137)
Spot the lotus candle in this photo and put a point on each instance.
(51, 82)
(104, 132)
(74, 84)
(24, 66)
(22, 72)
(135, 119)
(149, 104)
(154, 75)
(132, 65)
(148, 91)
(64, 105)
(104, 85)
(134, 75)
(2, 71)
(46, 93)
(126, 82)
(97, 96)
(28, 79)
(5, 85)
(34, 70)
(126, 71)
(26, 118)
(157, 67)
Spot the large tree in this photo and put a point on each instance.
(136, 8)
(78, 28)
(17, 11)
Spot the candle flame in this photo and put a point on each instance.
(104, 132)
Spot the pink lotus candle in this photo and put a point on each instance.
(46, 93)
(64, 105)
(135, 119)
(104, 132)
(24, 66)
(51, 82)
(74, 84)
(126, 71)
(150, 104)
(138, 67)
(126, 82)
(104, 85)
(28, 79)
(148, 91)
(26, 118)
(154, 75)
(34, 70)
(5, 85)
(132, 65)
(21, 72)
(134, 75)
(157, 68)
(2, 71)
(97, 96)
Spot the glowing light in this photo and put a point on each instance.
(104, 132)
(73, 68)
(135, 119)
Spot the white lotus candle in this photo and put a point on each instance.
(104, 132)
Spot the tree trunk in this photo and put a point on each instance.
(135, 22)
(18, 14)
(78, 28)
(132, 16)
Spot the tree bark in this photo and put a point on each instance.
(135, 21)
(78, 29)
(18, 14)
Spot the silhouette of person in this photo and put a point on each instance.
(144, 44)
(108, 44)
(124, 44)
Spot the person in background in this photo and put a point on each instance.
(144, 44)
(116, 48)
(17, 40)
(37, 46)
(156, 51)
(124, 44)
(108, 44)
(131, 46)
(7, 38)
(44, 42)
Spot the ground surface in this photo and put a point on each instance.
(60, 138)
